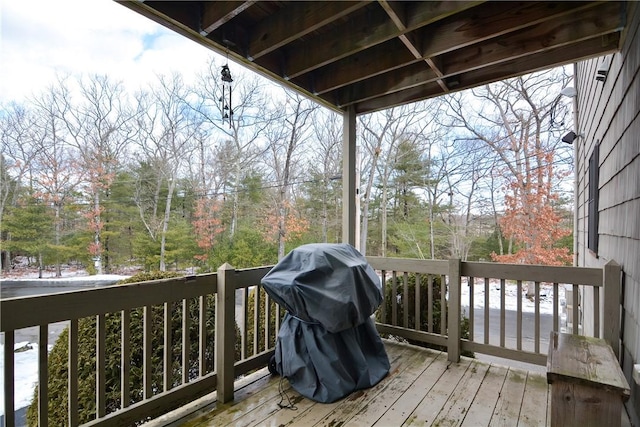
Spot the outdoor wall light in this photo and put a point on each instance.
(570, 137)
(603, 70)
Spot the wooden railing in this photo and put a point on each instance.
(238, 299)
(509, 332)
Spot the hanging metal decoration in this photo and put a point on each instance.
(225, 100)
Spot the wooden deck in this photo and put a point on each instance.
(422, 388)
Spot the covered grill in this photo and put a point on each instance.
(327, 346)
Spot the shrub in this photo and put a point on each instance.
(250, 321)
(58, 357)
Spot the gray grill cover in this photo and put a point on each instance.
(327, 346)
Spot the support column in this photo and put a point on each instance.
(453, 321)
(225, 333)
(349, 184)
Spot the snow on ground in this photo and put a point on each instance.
(30, 277)
(511, 296)
(26, 373)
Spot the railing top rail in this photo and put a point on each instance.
(534, 273)
(37, 310)
(250, 276)
(409, 265)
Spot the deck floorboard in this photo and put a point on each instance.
(422, 388)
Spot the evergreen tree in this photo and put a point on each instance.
(31, 226)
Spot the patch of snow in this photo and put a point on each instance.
(25, 372)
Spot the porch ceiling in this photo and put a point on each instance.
(374, 55)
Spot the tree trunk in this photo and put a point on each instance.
(165, 226)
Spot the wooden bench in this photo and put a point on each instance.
(588, 387)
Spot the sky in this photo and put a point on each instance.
(42, 38)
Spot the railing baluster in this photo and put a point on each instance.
(537, 317)
(429, 303)
(576, 310)
(9, 379)
(394, 298)
(101, 390)
(267, 320)
(503, 312)
(186, 341)
(202, 334)
(73, 372)
(596, 312)
(472, 317)
(168, 346)
(443, 301)
(519, 316)
(147, 320)
(245, 321)
(125, 363)
(256, 318)
(486, 310)
(556, 310)
(278, 314)
(405, 299)
(43, 376)
(383, 281)
(417, 308)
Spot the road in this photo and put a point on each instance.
(528, 334)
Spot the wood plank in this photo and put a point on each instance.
(534, 401)
(225, 414)
(586, 361)
(455, 409)
(421, 388)
(403, 359)
(507, 409)
(485, 400)
(314, 413)
(402, 408)
(434, 402)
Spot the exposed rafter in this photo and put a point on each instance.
(372, 55)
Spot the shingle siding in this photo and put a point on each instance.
(609, 114)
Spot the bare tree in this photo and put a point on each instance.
(285, 138)
(325, 162)
(18, 152)
(381, 132)
(170, 131)
(56, 170)
(518, 120)
(101, 126)
(247, 117)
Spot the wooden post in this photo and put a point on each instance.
(349, 184)
(453, 322)
(611, 306)
(225, 333)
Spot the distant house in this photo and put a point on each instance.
(607, 167)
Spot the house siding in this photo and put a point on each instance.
(608, 113)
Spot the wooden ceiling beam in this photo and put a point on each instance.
(495, 19)
(395, 10)
(395, 81)
(366, 64)
(539, 38)
(527, 64)
(362, 32)
(295, 20)
(215, 14)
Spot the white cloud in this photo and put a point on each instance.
(42, 38)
